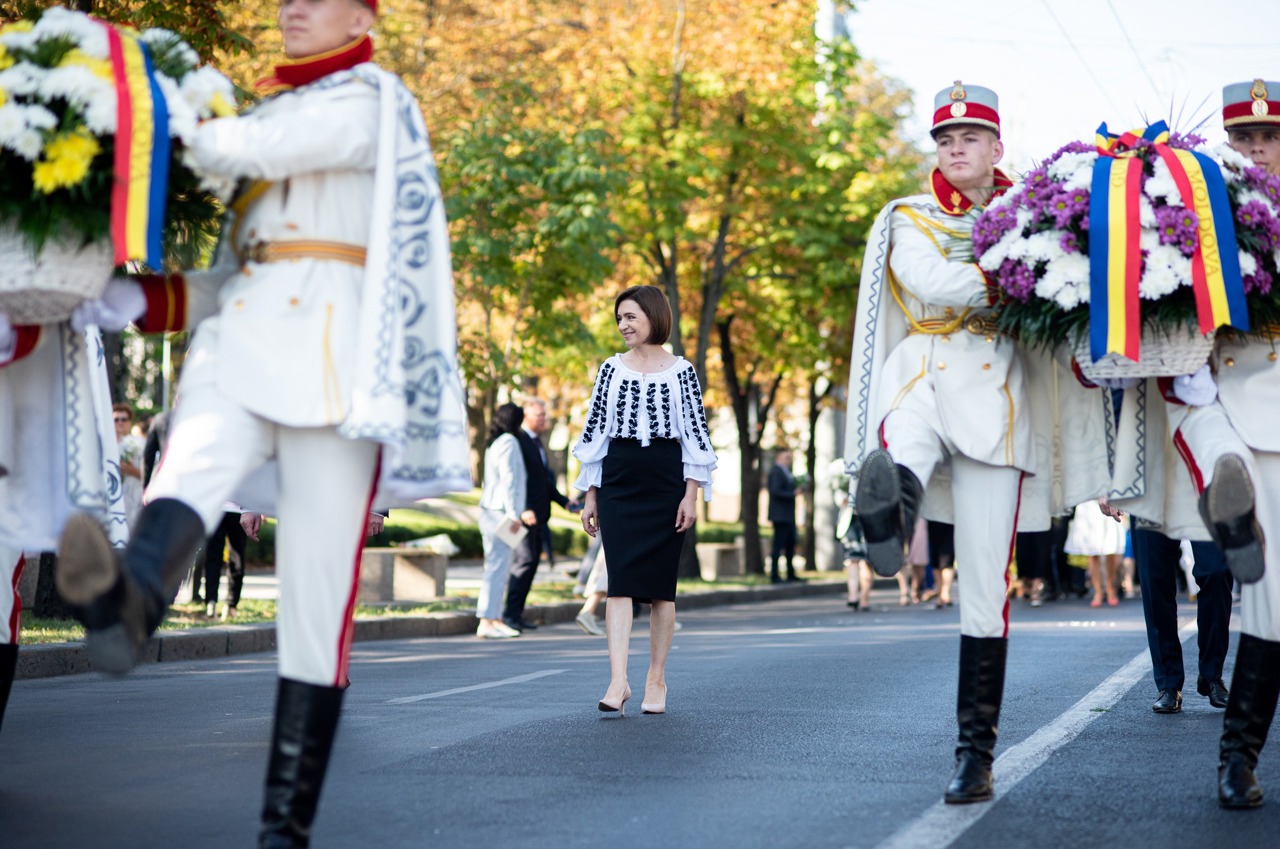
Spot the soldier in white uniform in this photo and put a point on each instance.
(1232, 450)
(939, 396)
(322, 378)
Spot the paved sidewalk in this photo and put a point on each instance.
(44, 661)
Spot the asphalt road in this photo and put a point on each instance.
(790, 724)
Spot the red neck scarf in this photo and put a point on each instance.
(292, 73)
(953, 201)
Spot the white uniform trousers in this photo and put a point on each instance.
(11, 566)
(497, 564)
(1202, 435)
(985, 501)
(324, 486)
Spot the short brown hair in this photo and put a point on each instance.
(653, 303)
(121, 407)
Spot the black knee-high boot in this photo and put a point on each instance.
(982, 662)
(8, 668)
(1251, 704)
(122, 598)
(306, 720)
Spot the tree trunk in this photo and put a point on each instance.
(810, 463)
(48, 604)
(753, 559)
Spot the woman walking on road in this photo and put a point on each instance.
(644, 452)
(501, 503)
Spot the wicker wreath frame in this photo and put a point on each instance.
(45, 287)
(1165, 352)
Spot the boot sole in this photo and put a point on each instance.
(86, 575)
(878, 503)
(86, 568)
(1230, 514)
(967, 800)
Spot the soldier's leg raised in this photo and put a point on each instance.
(325, 489)
(986, 507)
(121, 597)
(891, 484)
(1221, 468)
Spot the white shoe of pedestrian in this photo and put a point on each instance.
(590, 624)
(496, 631)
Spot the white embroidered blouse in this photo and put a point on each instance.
(627, 404)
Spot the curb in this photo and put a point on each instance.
(50, 660)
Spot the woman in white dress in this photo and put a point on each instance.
(1100, 538)
(501, 503)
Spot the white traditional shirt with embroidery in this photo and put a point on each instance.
(627, 404)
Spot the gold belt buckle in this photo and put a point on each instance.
(976, 325)
(257, 252)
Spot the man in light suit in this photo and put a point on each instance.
(539, 493)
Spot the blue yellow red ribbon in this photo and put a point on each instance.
(1115, 255)
(142, 149)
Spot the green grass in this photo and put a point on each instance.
(183, 617)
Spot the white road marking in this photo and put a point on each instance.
(519, 679)
(941, 825)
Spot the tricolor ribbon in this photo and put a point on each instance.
(1115, 255)
(142, 149)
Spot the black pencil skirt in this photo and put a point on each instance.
(640, 492)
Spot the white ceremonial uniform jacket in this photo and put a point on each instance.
(1248, 373)
(368, 346)
(922, 315)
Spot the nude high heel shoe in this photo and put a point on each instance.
(654, 707)
(620, 708)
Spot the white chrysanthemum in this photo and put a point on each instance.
(1161, 186)
(76, 84)
(169, 41)
(1249, 195)
(1074, 170)
(182, 118)
(22, 79)
(1227, 156)
(12, 123)
(38, 118)
(19, 40)
(202, 86)
(100, 115)
(77, 26)
(1146, 213)
(1248, 264)
(1166, 269)
(28, 144)
(1069, 272)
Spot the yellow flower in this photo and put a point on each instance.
(19, 26)
(6, 61)
(220, 108)
(66, 161)
(4, 97)
(100, 67)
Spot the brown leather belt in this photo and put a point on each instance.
(263, 252)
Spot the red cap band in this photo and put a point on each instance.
(961, 112)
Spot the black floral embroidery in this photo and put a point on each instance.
(623, 389)
(695, 417)
(633, 423)
(666, 411)
(651, 407)
(599, 411)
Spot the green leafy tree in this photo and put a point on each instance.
(531, 235)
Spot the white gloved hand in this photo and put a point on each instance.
(1115, 382)
(121, 303)
(7, 337)
(1196, 390)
